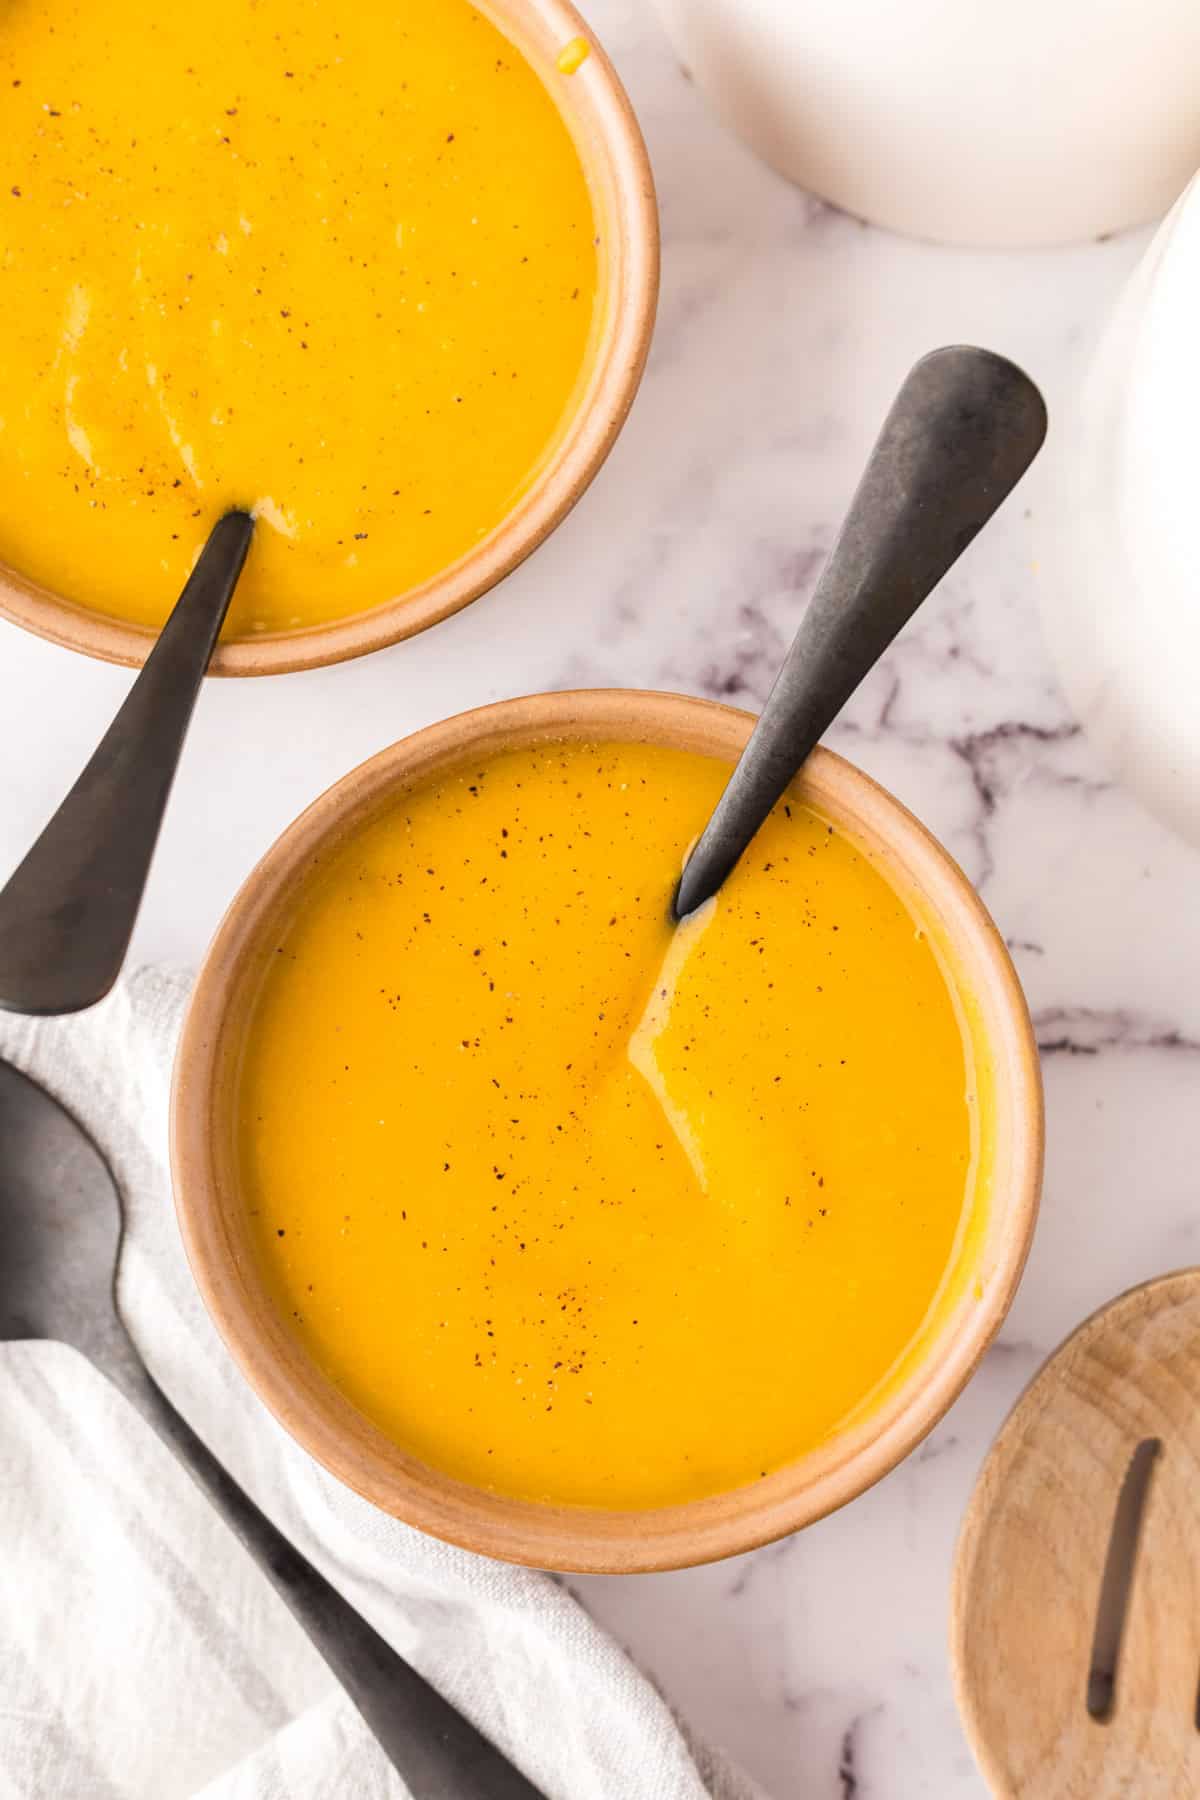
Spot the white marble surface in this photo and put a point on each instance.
(783, 332)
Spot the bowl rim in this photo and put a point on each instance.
(593, 421)
(567, 1537)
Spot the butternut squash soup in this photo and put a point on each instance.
(577, 1206)
(334, 264)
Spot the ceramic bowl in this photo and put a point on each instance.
(214, 1224)
(944, 122)
(610, 145)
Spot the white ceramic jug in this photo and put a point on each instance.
(998, 122)
(1120, 552)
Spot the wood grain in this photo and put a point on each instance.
(1032, 1553)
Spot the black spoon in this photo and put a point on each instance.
(962, 431)
(68, 912)
(60, 1242)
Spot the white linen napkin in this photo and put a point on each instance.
(142, 1655)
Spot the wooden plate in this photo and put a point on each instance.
(1032, 1558)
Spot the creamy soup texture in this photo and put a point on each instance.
(336, 264)
(578, 1207)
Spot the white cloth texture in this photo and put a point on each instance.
(142, 1654)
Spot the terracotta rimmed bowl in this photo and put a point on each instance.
(326, 1424)
(609, 142)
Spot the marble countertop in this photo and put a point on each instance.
(784, 330)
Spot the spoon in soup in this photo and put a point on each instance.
(68, 911)
(962, 431)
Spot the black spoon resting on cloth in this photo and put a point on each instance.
(68, 912)
(962, 431)
(60, 1242)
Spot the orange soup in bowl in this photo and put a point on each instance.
(579, 1207)
(339, 266)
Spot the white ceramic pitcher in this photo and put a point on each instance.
(997, 122)
(1120, 552)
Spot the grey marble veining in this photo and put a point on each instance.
(784, 330)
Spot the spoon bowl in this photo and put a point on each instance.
(67, 912)
(57, 1266)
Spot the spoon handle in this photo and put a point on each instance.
(962, 431)
(67, 914)
(439, 1754)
